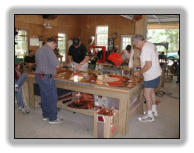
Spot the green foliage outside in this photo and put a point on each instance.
(61, 44)
(21, 48)
(164, 35)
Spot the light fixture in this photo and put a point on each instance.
(46, 25)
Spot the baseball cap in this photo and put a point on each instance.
(76, 41)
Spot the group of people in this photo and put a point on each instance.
(47, 63)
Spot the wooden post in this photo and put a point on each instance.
(95, 124)
(162, 79)
(25, 93)
(141, 26)
(123, 115)
(140, 109)
(31, 93)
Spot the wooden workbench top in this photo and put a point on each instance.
(91, 79)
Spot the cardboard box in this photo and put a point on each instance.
(111, 103)
(105, 126)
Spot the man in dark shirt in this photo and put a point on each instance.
(30, 61)
(78, 55)
(30, 58)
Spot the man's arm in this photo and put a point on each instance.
(69, 59)
(84, 60)
(86, 55)
(131, 59)
(52, 58)
(147, 66)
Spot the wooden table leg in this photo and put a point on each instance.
(123, 118)
(25, 93)
(31, 94)
(140, 108)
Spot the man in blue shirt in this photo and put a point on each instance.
(47, 63)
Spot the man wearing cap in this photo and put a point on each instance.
(78, 55)
(151, 70)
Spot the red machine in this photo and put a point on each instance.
(104, 53)
(115, 58)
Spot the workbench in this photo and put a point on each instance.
(125, 95)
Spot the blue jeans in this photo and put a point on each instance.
(20, 82)
(48, 93)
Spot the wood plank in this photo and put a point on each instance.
(140, 109)
(123, 105)
(31, 94)
(89, 112)
(134, 110)
(163, 26)
(103, 91)
(25, 93)
(95, 124)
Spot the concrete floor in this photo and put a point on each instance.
(81, 126)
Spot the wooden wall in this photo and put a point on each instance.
(115, 23)
(31, 23)
(82, 26)
(67, 24)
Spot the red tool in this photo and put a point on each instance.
(115, 58)
(104, 53)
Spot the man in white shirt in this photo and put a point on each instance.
(151, 70)
(126, 54)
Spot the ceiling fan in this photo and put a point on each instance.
(47, 25)
(48, 17)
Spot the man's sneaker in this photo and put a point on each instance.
(56, 121)
(146, 119)
(23, 110)
(155, 114)
(45, 119)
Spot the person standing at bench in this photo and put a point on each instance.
(30, 61)
(78, 55)
(151, 70)
(20, 77)
(46, 64)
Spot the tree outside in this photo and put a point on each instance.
(164, 35)
(62, 44)
(21, 46)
